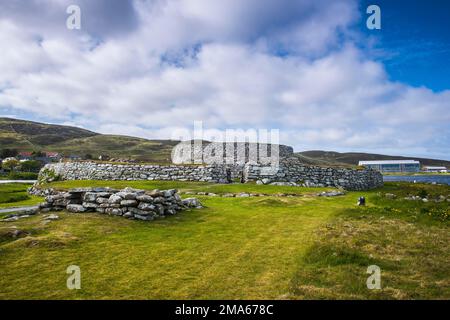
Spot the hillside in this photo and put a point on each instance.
(23, 134)
(118, 147)
(352, 158)
(33, 136)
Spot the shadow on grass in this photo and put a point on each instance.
(333, 271)
(411, 253)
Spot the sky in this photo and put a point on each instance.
(309, 68)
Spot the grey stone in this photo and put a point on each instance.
(90, 197)
(128, 215)
(102, 200)
(169, 193)
(115, 199)
(100, 210)
(126, 195)
(80, 190)
(10, 219)
(51, 217)
(243, 195)
(228, 195)
(144, 198)
(113, 211)
(75, 208)
(155, 193)
(192, 203)
(138, 211)
(90, 205)
(128, 203)
(144, 218)
(331, 194)
(146, 206)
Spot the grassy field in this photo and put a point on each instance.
(187, 186)
(15, 195)
(303, 247)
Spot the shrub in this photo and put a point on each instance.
(30, 166)
(423, 193)
(22, 175)
(47, 175)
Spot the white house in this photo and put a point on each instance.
(434, 169)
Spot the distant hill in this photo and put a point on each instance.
(34, 136)
(28, 134)
(352, 158)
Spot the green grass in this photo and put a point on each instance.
(15, 195)
(21, 176)
(303, 247)
(187, 186)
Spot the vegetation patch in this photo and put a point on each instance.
(15, 195)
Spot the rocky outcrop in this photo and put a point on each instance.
(129, 203)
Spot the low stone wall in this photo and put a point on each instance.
(129, 203)
(106, 171)
(292, 171)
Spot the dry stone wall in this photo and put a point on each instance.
(291, 171)
(129, 203)
(107, 171)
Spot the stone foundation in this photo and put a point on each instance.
(129, 203)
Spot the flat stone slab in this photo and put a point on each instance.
(19, 209)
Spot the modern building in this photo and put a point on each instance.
(392, 165)
(434, 169)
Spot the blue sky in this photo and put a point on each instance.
(416, 39)
(309, 68)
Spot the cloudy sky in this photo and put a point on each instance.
(309, 68)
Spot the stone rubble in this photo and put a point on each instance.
(440, 198)
(331, 194)
(20, 215)
(129, 203)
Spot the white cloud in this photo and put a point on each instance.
(182, 61)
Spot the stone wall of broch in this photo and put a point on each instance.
(238, 152)
(290, 171)
(107, 171)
